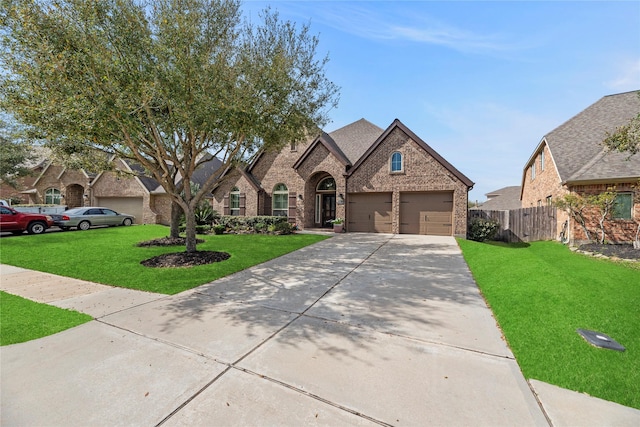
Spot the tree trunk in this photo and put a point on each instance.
(176, 213)
(191, 230)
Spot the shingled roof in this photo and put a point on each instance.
(355, 138)
(576, 145)
(506, 198)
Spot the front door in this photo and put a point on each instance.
(328, 209)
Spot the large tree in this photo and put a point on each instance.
(15, 154)
(162, 83)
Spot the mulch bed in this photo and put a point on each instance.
(180, 259)
(612, 251)
(167, 241)
(185, 259)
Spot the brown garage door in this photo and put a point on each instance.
(128, 205)
(426, 213)
(369, 212)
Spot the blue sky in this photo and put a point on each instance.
(480, 82)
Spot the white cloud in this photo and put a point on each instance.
(627, 76)
(400, 25)
(488, 142)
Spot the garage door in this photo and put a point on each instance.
(369, 212)
(426, 213)
(128, 205)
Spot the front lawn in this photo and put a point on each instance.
(23, 320)
(110, 256)
(542, 292)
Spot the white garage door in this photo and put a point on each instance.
(426, 213)
(128, 205)
(369, 212)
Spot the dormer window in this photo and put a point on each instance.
(397, 164)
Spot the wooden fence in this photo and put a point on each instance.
(522, 225)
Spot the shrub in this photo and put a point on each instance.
(482, 229)
(254, 224)
(203, 229)
(219, 229)
(283, 228)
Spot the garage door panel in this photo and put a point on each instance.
(369, 212)
(128, 205)
(426, 213)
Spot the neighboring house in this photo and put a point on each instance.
(386, 181)
(504, 199)
(571, 158)
(129, 191)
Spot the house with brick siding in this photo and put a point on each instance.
(126, 189)
(572, 159)
(377, 180)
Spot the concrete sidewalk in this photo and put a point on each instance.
(359, 329)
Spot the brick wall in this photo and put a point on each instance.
(236, 179)
(318, 165)
(421, 173)
(111, 184)
(545, 184)
(616, 231)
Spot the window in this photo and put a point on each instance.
(52, 196)
(622, 206)
(280, 200)
(533, 171)
(234, 201)
(396, 162)
(327, 184)
(542, 160)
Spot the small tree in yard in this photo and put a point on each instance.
(166, 84)
(574, 204)
(604, 203)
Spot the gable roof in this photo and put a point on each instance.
(347, 143)
(399, 125)
(576, 145)
(354, 139)
(329, 143)
(506, 198)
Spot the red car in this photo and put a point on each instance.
(19, 222)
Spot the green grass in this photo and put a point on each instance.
(542, 292)
(110, 256)
(23, 320)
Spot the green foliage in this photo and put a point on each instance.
(255, 224)
(166, 83)
(540, 293)
(219, 229)
(626, 138)
(604, 202)
(15, 153)
(205, 213)
(110, 256)
(575, 205)
(481, 229)
(23, 320)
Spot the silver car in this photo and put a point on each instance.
(91, 216)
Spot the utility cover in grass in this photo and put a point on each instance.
(599, 339)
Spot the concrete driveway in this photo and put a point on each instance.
(359, 329)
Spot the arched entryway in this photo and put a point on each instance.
(325, 202)
(74, 196)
